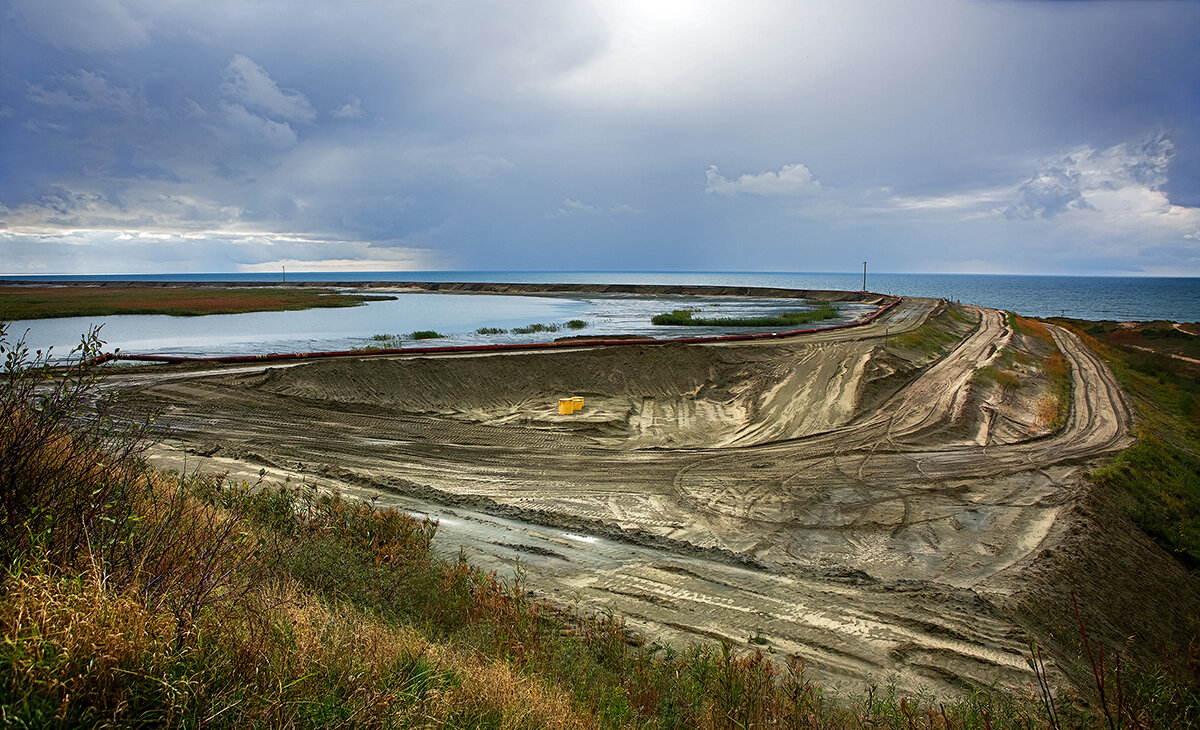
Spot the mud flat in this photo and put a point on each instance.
(859, 497)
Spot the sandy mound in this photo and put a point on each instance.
(637, 396)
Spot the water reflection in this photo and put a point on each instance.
(457, 316)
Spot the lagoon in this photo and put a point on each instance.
(457, 316)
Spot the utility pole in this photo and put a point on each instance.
(864, 276)
(284, 274)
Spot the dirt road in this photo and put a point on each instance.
(833, 496)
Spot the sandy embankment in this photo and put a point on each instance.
(848, 499)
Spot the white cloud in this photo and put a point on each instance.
(666, 52)
(193, 109)
(979, 201)
(1119, 189)
(352, 109)
(403, 260)
(38, 126)
(61, 208)
(95, 25)
(119, 251)
(793, 179)
(1112, 189)
(1052, 190)
(243, 127)
(90, 92)
(248, 83)
(571, 206)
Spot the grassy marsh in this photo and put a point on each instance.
(686, 318)
(44, 302)
(536, 327)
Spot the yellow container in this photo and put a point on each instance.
(565, 406)
(578, 401)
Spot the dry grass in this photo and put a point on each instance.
(78, 652)
(1031, 327)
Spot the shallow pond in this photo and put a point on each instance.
(457, 316)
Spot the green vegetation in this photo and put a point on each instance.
(491, 331)
(130, 597)
(1007, 368)
(930, 339)
(41, 302)
(1006, 379)
(574, 324)
(395, 342)
(1054, 408)
(386, 342)
(1157, 480)
(685, 318)
(1160, 489)
(532, 328)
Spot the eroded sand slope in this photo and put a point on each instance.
(846, 496)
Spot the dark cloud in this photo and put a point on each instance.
(484, 135)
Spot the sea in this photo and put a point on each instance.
(458, 317)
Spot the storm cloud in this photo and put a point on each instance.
(141, 136)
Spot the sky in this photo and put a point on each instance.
(197, 136)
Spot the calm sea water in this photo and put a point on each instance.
(458, 316)
(1084, 297)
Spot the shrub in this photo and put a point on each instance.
(73, 491)
(425, 335)
(54, 492)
